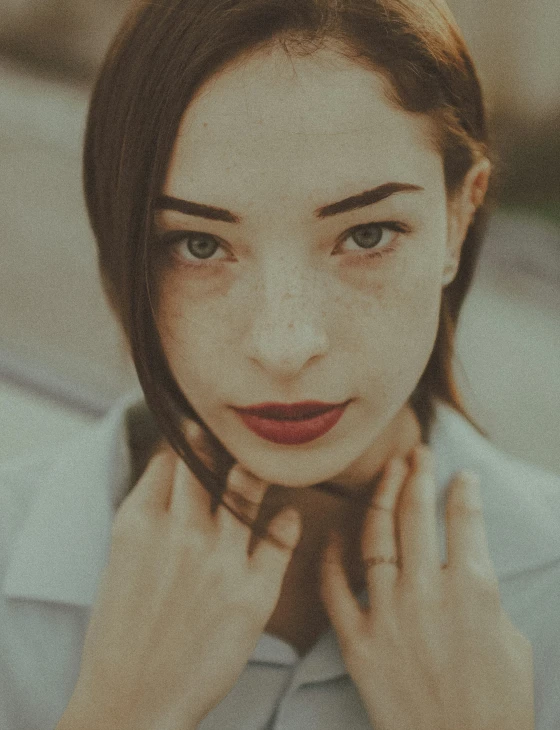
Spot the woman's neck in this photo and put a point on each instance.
(323, 511)
(300, 617)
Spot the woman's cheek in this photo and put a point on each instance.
(196, 313)
(409, 299)
(403, 286)
(200, 282)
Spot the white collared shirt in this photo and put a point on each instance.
(56, 511)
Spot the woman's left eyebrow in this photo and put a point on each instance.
(368, 197)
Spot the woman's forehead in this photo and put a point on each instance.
(274, 96)
(273, 120)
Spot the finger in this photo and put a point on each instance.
(153, 489)
(190, 501)
(467, 543)
(244, 494)
(270, 560)
(379, 537)
(200, 442)
(417, 519)
(342, 608)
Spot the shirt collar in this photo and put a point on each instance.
(65, 541)
(64, 544)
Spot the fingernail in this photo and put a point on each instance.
(193, 430)
(290, 524)
(237, 476)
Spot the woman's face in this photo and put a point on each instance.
(285, 305)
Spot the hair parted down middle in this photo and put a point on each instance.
(162, 55)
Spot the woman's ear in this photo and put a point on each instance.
(462, 210)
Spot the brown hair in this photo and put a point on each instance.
(162, 55)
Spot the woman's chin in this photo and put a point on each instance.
(287, 479)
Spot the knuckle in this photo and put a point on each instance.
(421, 587)
(266, 588)
(459, 509)
(418, 592)
(189, 540)
(251, 603)
(163, 457)
(481, 588)
(229, 581)
(418, 498)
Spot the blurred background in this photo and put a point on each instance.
(62, 358)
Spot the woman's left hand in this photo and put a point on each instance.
(435, 650)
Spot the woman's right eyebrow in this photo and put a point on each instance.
(362, 200)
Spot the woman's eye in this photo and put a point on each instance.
(376, 237)
(194, 246)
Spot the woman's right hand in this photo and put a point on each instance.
(181, 604)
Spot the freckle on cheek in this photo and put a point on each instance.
(210, 285)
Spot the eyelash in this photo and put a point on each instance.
(170, 239)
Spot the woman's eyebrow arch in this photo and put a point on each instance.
(368, 197)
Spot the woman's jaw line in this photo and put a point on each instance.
(356, 480)
(353, 481)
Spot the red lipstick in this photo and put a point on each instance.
(292, 424)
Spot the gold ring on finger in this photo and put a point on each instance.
(379, 560)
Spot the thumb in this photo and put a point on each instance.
(286, 528)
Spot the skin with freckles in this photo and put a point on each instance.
(286, 307)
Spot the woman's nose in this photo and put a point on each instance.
(287, 325)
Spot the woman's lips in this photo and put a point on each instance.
(293, 432)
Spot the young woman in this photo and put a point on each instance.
(306, 529)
